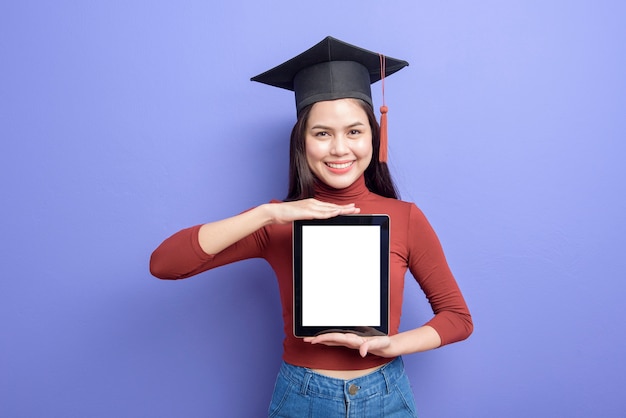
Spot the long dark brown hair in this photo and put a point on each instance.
(301, 180)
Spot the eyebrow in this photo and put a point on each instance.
(353, 125)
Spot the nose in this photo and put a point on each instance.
(339, 145)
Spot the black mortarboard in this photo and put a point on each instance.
(333, 69)
(330, 70)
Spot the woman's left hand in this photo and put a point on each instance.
(379, 346)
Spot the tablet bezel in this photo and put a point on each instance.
(380, 220)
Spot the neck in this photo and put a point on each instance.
(347, 195)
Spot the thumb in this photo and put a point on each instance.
(363, 349)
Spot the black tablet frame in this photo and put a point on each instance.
(382, 221)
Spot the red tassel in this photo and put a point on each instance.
(382, 153)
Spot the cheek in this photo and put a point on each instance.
(364, 149)
(314, 150)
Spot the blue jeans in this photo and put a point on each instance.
(300, 392)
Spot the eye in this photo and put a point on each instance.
(354, 132)
(321, 134)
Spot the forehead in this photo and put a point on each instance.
(337, 111)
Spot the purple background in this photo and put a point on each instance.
(124, 121)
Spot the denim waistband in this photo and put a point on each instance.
(379, 381)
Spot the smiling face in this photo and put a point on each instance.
(338, 140)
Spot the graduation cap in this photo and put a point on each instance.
(333, 69)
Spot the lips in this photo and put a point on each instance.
(340, 165)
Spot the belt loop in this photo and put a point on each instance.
(305, 382)
(385, 374)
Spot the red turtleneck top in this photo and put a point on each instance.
(414, 246)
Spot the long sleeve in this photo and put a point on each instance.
(428, 265)
(180, 256)
(413, 246)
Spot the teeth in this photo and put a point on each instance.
(339, 166)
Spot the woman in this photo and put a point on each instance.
(337, 167)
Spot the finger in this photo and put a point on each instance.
(324, 338)
(363, 349)
(318, 203)
(336, 338)
(329, 212)
(310, 211)
(318, 209)
(348, 211)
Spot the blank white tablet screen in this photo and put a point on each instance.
(341, 275)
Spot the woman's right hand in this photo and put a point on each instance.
(286, 212)
(216, 236)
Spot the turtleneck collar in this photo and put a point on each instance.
(350, 194)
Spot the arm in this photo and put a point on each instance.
(416, 340)
(452, 321)
(428, 265)
(216, 236)
(200, 248)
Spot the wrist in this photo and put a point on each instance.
(393, 350)
(266, 214)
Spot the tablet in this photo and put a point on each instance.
(341, 275)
